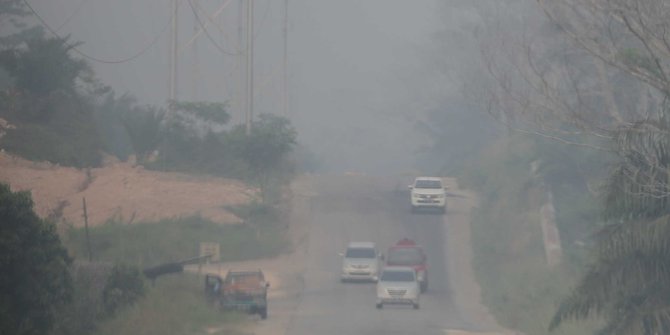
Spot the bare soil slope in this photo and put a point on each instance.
(123, 191)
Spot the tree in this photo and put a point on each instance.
(265, 149)
(190, 135)
(629, 281)
(214, 112)
(44, 66)
(627, 284)
(596, 73)
(125, 286)
(34, 277)
(14, 31)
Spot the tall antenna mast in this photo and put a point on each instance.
(196, 61)
(174, 60)
(241, 67)
(250, 65)
(285, 72)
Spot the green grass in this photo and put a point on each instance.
(518, 287)
(174, 306)
(147, 244)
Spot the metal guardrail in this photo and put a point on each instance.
(172, 267)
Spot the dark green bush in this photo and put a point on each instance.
(125, 285)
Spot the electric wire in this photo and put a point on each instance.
(212, 22)
(264, 18)
(209, 37)
(203, 30)
(74, 13)
(93, 58)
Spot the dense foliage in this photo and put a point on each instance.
(124, 287)
(60, 113)
(53, 108)
(34, 276)
(589, 75)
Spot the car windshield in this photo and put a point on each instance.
(405, 256)
(433, 184)
(361, 253)
(244, 277)
(398, 276)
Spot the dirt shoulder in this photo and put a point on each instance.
(284, 272)
(465, 290)
(123, 191)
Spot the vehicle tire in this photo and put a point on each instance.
(263, 313)
(380, 306)
(416, 306)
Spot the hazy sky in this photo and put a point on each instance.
(354, 65)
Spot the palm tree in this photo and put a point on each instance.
(628, 285)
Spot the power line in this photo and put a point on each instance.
(264, 18)
(211, 21)
(209, 37)
(202, 30)
(74, 13)
(96, 59)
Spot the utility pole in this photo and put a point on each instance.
(241, 65)
(250, 65)
(285, 72)
(196, 66)
(173, 52)
(88, 238)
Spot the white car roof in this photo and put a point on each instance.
(429, 178)
(398, 268)
(370, 245)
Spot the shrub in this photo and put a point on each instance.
(125, 285)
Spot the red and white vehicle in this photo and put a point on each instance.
(407, 253)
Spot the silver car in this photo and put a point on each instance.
(360, 262)
(398, 285)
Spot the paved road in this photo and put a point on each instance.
(342, 209)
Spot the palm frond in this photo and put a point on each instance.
(639, 185)
(631, 271)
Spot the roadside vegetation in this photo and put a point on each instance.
(34, 268)
(147, 244)
(579, 92)
(518, 285)
(53, 108)
(58, 111)
(175, 305)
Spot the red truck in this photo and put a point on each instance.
(407, 253)
(240, 290)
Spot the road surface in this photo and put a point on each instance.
(331, 211)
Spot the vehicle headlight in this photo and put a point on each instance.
(414, 195)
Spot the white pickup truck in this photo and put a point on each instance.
(428, 192)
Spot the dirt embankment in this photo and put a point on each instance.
(123, 191)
